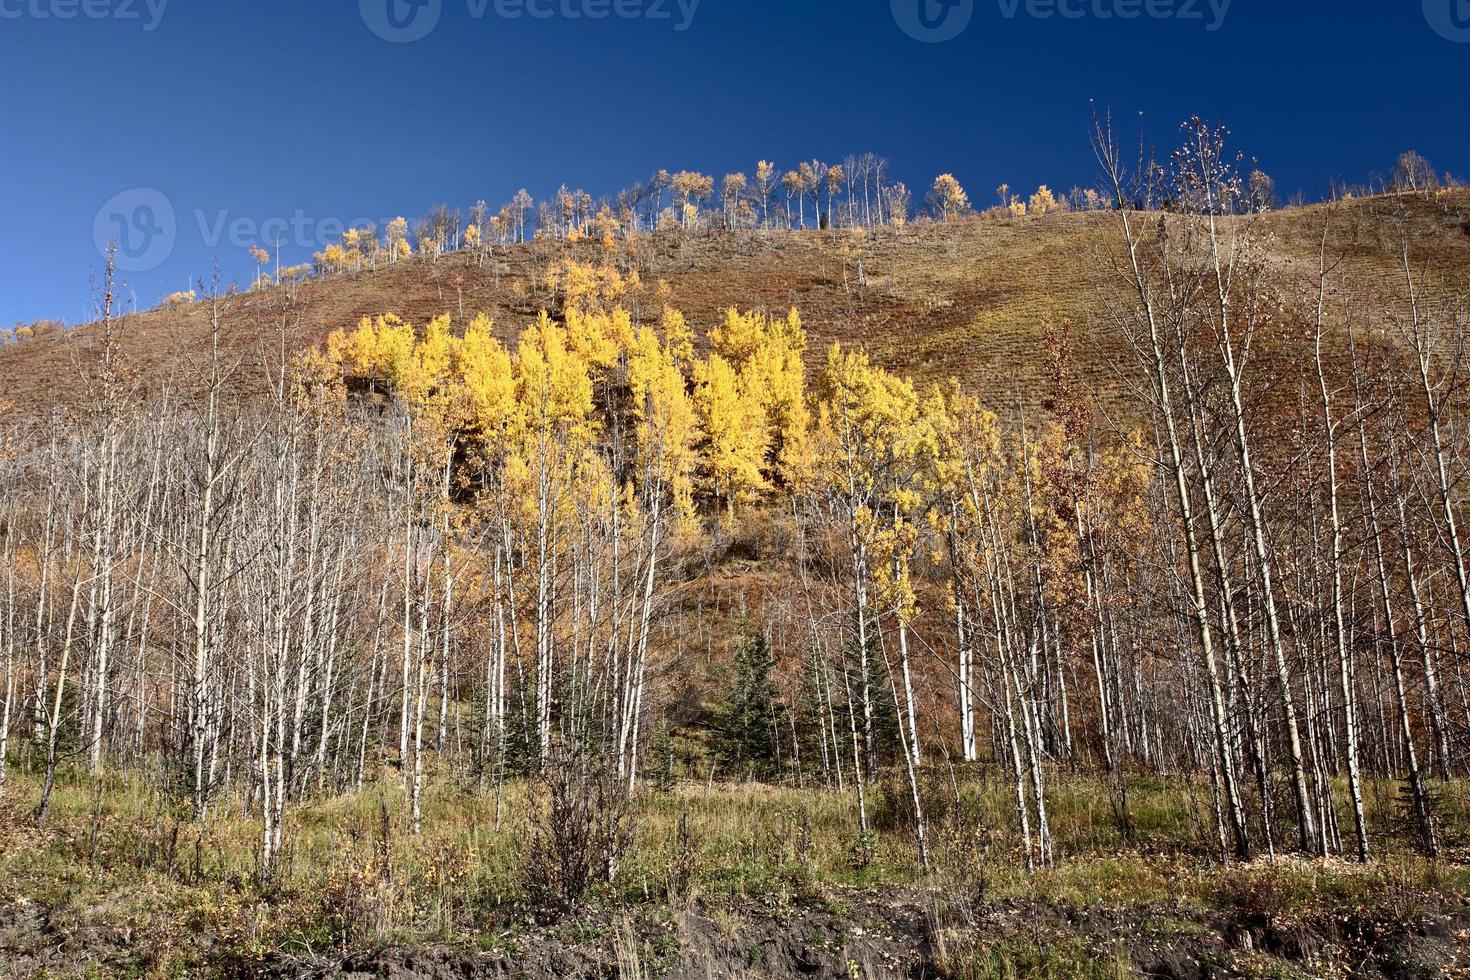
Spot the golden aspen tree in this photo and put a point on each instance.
(767, 354)
(381, 345)
(606, 228)
(436, 356)
(352, 249)
(397, 239)
(765, 185)
(484, 365)
(330, 260)
(739, 336)
(555, 392)
(735, 432)
(553, 382)
(590, 288)
(590, 337)
(262, 259)
(691, 189)
(778, 370)
(677, 337)
(732, 195)
(867, 457)
(667, 426)
(835, 178)
(1043, 201)
(948, 198)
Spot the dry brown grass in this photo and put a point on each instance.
(968, 300)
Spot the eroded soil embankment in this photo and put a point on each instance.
(853, 935)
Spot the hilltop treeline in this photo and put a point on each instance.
(857, 193)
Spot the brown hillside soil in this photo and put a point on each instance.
(852, 933)
(874, 937)
(968, 300)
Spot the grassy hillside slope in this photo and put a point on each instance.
(968, 300)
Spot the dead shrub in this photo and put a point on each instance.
(581, 827)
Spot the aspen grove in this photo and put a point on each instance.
(428, 554)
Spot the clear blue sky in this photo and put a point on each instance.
(248, 110)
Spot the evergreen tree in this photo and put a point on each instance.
(749, 736)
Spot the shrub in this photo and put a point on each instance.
(581, 827)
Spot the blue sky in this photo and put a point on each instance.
(299, 111)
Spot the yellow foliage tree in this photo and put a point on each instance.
(1043, 201)
(485, 367)
(552, 383)
(678, 337)
(767, 355)
(948, 197)
(667, 425)
(735, 432)
(691, 188)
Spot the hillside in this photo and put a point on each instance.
(624, 695)
(967, 300)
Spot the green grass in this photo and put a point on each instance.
(1033, 959)
(128, 862)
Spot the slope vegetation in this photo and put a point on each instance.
(968, 300)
